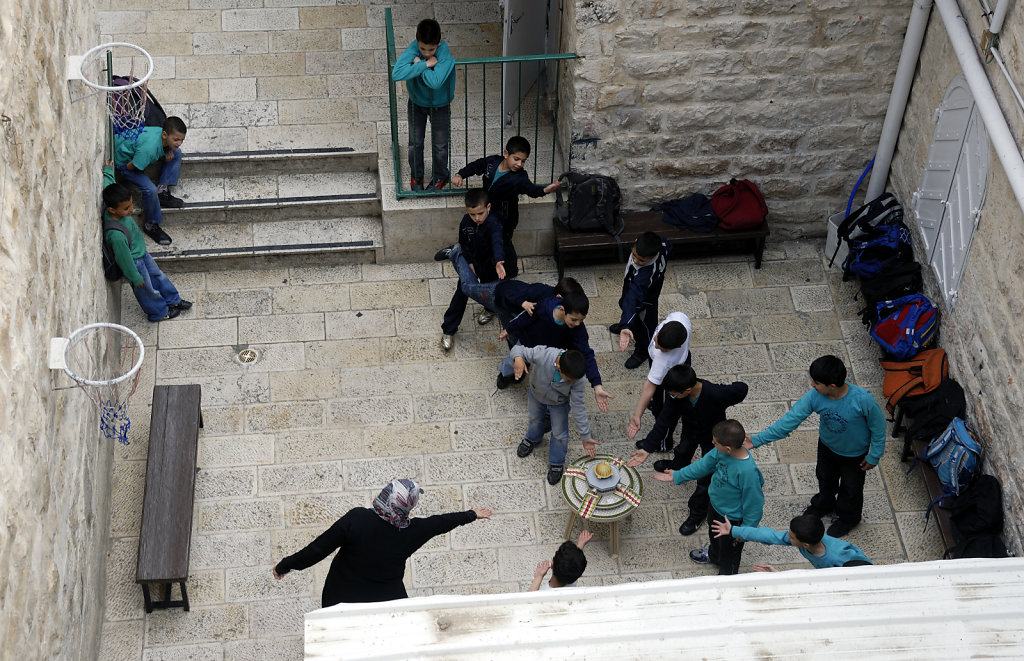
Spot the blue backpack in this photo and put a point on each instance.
(955, 454)
(878, 248)
(906, 325)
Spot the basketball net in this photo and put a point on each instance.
(126, 100)
(127, 109)
(104, 360)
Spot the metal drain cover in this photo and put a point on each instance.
(246, 356)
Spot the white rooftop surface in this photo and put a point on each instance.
(952, 609)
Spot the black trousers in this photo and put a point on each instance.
(840, 485)
(655, 406)
(683, 454)
(724, 551)
(642, 326)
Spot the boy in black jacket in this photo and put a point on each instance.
(700, 405)
(505, 179)
(641, 287)
(481, 244)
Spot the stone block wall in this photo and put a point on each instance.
(54, 502)
(982, 334)
(676, 97)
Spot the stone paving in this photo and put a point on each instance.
(353, 389)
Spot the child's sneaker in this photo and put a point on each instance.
(839, 528)
(168, 201)
(442, 254)
(182, 305)
(157, 233)
(415, 184)
(700, 556)
(524, 449)
(437, 184)
(555, 474)
(447, 342)
(505, 381)
(484, 317)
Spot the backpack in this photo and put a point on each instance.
(878, 248)
(955, 455)
(898, 279)
(920, 375)
(977, 519)
(739, 205)
(906, 325)
(155, 115)
(932, 412)
(593, 204)
(692, 213)
(883, 210)
(111, 271)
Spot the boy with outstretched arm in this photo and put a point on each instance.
(157, 297)
(481, 245)
(566, 566)
(641, 287)
(806, 533)
(699, 405)
(851, 440)
(505, 179)
(555, 387)
(556, 322)
(427, 67)
(160, 147)
(735, 490)
(670, 346)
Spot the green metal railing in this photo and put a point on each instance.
(482, 62)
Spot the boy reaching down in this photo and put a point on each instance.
(566, 567)
(641, 287)
(806, 532)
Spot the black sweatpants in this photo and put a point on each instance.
(840, 485)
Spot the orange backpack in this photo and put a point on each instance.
(923, 373)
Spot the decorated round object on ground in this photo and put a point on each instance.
(603, 483)
(595, 505)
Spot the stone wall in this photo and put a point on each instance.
(983, 333)
(675, 97)
(54, 508)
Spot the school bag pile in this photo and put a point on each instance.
(905, 324)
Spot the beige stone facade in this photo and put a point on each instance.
(983, 334)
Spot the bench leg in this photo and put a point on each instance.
(758, 252)
(146, 598)
(184, 595)
(200, 418)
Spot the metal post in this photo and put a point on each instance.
(110, 120)
(393, 99)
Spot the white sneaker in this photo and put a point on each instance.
(447, 342)
(484, 317)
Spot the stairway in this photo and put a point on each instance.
(265, 207)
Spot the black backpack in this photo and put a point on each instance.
(111, 271)
(155, 115)
(692, 213)
(593, 204)
(883, 210)
(895, 281)
(977, 518)
(931, 412)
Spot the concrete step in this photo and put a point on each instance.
(275, 161)
(199, 245)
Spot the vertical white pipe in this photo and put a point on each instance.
(1000, 16)
(984, 98)
(898, 98)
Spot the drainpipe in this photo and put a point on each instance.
(898, 98)
(984, 98)
(999, 17)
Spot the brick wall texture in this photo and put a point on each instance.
(54, 500)
(676, 97)
(982, 334)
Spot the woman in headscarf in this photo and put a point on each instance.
(374, 545)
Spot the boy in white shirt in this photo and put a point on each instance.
(669, 347)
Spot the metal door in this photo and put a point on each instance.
(526, 29)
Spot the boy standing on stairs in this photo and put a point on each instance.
(427, 68)
(159, 147)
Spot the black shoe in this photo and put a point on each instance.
(688, 528)
(839, 528)
(505, 381)
(437, 184)
(157, 233)
(168, 201)
(415, 184)
(700, 556)
(182, 304)
(639, 444)
(662, 465)
(555, 474)
(813, 511)
(172, 312)
(442, 254)
(524, 449)
(615, 328)
(634, 362)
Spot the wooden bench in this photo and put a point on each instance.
(601, 246)
(166, 533)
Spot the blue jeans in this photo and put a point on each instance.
(156, 292)
(559, 427)
(440, 135)
(481, 292)
(150, 201)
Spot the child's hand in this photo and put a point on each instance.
(590, 447)
(747, 443)
(542, 568)
(500, 268)
(664, 476)
(633, 427)
(764, 568)
(457, 180)
(482, 512)
(503, 334)
(866, 465)
(108, 162)
(624, 338)
(552, 187)
(722, 528)
(416, 59)
(276, 575)
(431, 62)
(529, 306)
(519, 367)
(585, 536)
(637, 458)
(602, 398)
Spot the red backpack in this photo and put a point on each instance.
(739, 205)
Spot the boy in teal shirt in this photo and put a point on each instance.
(153, 290)
(427, 67)
(806, 533)
(735, 492)
(154, 146)
(851, 440)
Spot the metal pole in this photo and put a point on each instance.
(110, 120)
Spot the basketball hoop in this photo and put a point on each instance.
(104, 360)
(126, 103)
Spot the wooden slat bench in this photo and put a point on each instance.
(166, 534)
(601, 246)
